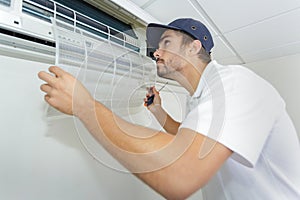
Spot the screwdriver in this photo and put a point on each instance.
(151, 98)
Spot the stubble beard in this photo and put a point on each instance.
(164, 71)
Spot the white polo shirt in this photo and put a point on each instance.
(236, 107)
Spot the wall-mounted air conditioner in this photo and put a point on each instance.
(108, 62)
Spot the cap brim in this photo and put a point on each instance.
(153, 35)
(154, 32)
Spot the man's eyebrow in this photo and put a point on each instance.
(162, 38)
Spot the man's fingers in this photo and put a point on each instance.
(46, 77)
(47, 97)
(57, 71)
(49, 78)
(154, 90)
(46, 88)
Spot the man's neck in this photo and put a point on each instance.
(191, 77)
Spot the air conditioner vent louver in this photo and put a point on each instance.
(26, 37)
(115, 75)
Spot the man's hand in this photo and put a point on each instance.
(156, 98)
(64, 92)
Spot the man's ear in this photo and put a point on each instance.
(195, 47)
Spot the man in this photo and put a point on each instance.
(237, 140)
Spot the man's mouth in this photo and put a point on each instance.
(159, 61)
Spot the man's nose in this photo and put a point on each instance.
(156, 53)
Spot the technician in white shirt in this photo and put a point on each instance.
(237, 141)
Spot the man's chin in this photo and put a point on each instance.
(164, 75)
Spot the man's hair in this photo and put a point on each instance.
(202, 54)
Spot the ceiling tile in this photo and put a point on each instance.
(232, 14)
(230, 61)
(281, 51)
(221, 50)
(269, 34)
(166, 11)
(140, 2)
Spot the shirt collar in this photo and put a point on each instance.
(202, 83)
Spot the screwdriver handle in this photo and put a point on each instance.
(150, 100)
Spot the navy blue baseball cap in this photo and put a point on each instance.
(194, 28)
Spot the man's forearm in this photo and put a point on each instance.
(122, 139)
(152, 156)
(165, 120)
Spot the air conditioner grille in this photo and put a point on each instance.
(47, 9)
(5, 3)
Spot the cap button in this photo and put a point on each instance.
(193, 27)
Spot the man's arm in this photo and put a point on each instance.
(164, 119)
(169, 164)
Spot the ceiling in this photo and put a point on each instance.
(243, 31)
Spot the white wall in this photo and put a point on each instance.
(283, 73)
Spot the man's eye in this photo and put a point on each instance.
(166, 42)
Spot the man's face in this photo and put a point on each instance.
(169, 54)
